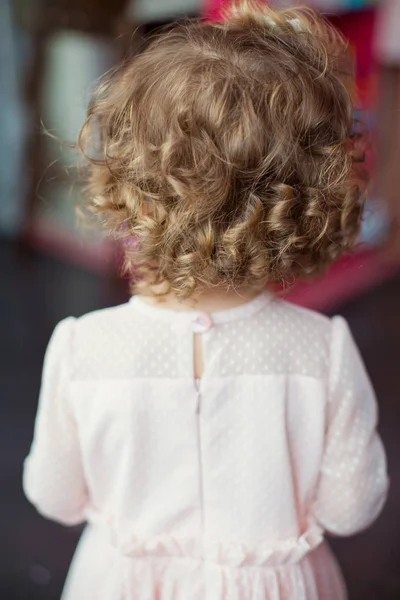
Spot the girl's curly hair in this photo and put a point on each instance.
(227, 151)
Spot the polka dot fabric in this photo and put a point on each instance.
(213, 490)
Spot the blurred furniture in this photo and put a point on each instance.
(12, 126)
(44, 19)
(149, 11)
(73, 43)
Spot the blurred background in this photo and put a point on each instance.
(51, 54)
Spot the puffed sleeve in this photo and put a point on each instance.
(53, 478)
(353, 482)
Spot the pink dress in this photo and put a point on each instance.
(216, 491)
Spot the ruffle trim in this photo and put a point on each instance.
(223, 553)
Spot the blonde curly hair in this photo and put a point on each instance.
(227, 151)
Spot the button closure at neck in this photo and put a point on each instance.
(202, 323)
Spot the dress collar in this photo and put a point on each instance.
(236, 313)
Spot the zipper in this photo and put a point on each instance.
(200, 452)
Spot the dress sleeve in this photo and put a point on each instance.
(353, 482)
(53, 478)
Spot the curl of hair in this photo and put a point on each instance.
(227, 151)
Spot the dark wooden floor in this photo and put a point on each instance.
(35, 293)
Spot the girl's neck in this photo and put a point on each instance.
(209, 300)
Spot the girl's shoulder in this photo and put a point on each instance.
(102, 321)
(304, 341)
(98, 340)
(295, 320)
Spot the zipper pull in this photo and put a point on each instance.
(198, 395)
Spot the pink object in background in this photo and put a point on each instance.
(212, 9)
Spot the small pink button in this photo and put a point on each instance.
(202, 323)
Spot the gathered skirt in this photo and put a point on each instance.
(100, 572)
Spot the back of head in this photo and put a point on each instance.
(226, 151)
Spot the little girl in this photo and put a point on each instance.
(209, 432)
